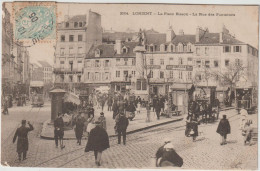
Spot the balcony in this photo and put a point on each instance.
(67, 70)
(72, 55)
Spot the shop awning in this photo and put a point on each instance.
(179, 86)
(72, 98)
(221, 88)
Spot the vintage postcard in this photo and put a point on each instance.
(129, 86)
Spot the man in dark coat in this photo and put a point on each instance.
(115, 109)
(98, 141)
(59, 130)
(131, 110)
(121, 127)
(109, 104)
(224, 129)
(167, 156)
(157, 107)
(22, 143)
(79, 128)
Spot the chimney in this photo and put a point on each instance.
(170, 34)
(199, 34)
(221, 37)
(181, 32)
(118, 46)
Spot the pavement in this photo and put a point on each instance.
(139, 123)
(140, 149)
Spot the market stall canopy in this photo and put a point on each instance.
(178, 86)
(36, 83)
(222, 89)
(71, 97)
(57, 90)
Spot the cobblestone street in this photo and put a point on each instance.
(139, 152)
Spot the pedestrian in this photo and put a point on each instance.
(115, 109)
(22, 143)
(103, 101)
(59, 131)
(6, 107)
(102, 121)
(98, 141)
(243, 118)
(224, 129)
(247, 132)
(138, 108)
(91, 124)
(157, 107)
(122, 125)
(109, 104)
(167, 156)
(161, 102)
(79, 128)
(131, 111)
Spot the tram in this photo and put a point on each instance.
(36, 92)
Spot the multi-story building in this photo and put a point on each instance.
(47, 71)
(76, 35)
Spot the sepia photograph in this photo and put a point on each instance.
(129, 86)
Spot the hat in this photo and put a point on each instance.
(23, 121)
(169, 146)
(97, 122)
(102, 113)
(224, 116)
(167, 140)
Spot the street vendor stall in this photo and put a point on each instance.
(246, 98)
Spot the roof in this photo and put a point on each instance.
(155, 38)
(44, 64)
(213, 38)
(183, 39)
(117, 35)
(107, 50)
(78, 18)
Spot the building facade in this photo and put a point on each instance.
(47, 72)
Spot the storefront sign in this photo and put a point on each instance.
(153, 67)
(179, 67)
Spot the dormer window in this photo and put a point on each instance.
(125, 50)
(76, 24)
(151, 48)
(165, 48)
(180, 47)
(67, 24)
(162, 47)
(97, 53)
(80, 24)
(189, 47)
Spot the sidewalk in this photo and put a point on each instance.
(138, 124)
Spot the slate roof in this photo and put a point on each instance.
(44, 64)
(213, 38)
(78, 18)
(117, 35)
(185, 39)
(107, 50)
(157, 38)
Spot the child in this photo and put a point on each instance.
(247, 132)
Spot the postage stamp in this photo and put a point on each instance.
(34, 22)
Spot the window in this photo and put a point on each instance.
(226, 62)
(171, 61)
(125, 75)
(215, 63)
(162, 47)
(117, 74)
(151, 61)
(80, 24)
(171, 74)
(124, 50)
(97, 64)
(71, 50)
(180, 47)
(88, 63)
(79, 78)
(207, 64)
(70, 78)
(118, 61)
(71, 65)
(62, 51)
(226, 49)
(76, 24)
(62, 78)
(80, 51)
(71, 38)
(236, 48)
(198, 63)
(133, 73)
(62, 38)
(188, 48)
(133, 61)
(189, 75)
(141, 84)
(237, 61)
(151, 74)
(206, 50)
(165, 48)
(80, 38)
(67, 24)
(96, 75)
(80, 61)
(106, 75)
(162, 61)
(189, 61)
(62, 64)
(197, 50)
(126, 60)
(172, 48)
(161, 74)
(180, 74)
(151, 48)
(180, 61)
(106, 63)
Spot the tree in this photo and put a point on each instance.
(230, 76)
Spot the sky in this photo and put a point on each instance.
(244, 25)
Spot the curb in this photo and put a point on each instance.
(130, 132)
